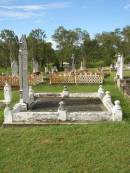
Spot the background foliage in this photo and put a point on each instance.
(98, 51)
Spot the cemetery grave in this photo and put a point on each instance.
(64, 91)
(58, 139)
(21, 114)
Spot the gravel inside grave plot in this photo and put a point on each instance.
(51, 104)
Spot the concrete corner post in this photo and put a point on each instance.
(62, 112)
(7, 100)
(101, 92)
(117, 111)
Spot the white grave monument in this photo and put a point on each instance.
(23, 70)
(35, 66)
(14, 68)
(119, 66)
(73, 62)
(46, 70)
(81, 66)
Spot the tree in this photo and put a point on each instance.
(69, 42)
(126, 42)
(38, 48)
(110, 43)
(35, 38)
(10, 43)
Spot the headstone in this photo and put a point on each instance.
(118, 64)
(81, 66)
(66, 66)
(46, 70)
(23, 69)
(121, 68)
(73, 62)
(54, 69)
(14, 68)
(35, 66)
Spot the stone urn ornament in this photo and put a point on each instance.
(65, 92)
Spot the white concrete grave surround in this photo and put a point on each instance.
(61, 116)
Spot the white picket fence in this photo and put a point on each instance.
(76, 79)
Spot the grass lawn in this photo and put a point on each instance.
(97, 148)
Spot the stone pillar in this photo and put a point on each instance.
(23, 70)
(117, 111)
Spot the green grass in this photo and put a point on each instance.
(64, 149)
(97, 148)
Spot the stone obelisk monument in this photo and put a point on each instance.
(23, 70)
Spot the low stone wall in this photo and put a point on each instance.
(41, 95)
(37, 117)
